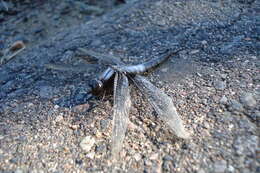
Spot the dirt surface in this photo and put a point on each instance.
(214, 83)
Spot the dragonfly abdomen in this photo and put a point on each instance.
(139, 68)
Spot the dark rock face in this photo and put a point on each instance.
(146, 29)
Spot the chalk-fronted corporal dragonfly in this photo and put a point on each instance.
(122, 73)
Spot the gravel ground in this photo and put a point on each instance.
(214, 83)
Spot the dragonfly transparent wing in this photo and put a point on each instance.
(103, 58)
(121, 109)
(162, 104)
(73, 68)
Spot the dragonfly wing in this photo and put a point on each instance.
(103, 58)
(73, 68)
(162, 104)
(121, 109)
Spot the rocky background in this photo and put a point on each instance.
(213, 81)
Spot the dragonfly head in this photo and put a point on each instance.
(96, 85)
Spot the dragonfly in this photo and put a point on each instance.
(124, 74)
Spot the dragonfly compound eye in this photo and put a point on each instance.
(96, 85)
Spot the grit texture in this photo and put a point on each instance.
(213, 81)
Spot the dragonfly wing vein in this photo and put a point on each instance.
(121, 110)
(103, 58)
(162, 104)
(73, 68)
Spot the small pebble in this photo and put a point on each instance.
(204, 42)
(168, 158)
(220, 166)
(14, 160)
(74, 126)
(201, 171)
(248, 100)
(194, 51)
(81, 108)
(137, 156)
(167, 166)
(220, 85)
(56, 107)
(154, 156)
(255, 116)
(91, 155)
(238, 146)
(78, 161)
(18, 171)
(235, 106)
(223, 76)
(87, 143)
(104, 124)
(231, 168)
(223, 100)
(101, 148)
(59, 118)
(1, 137)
